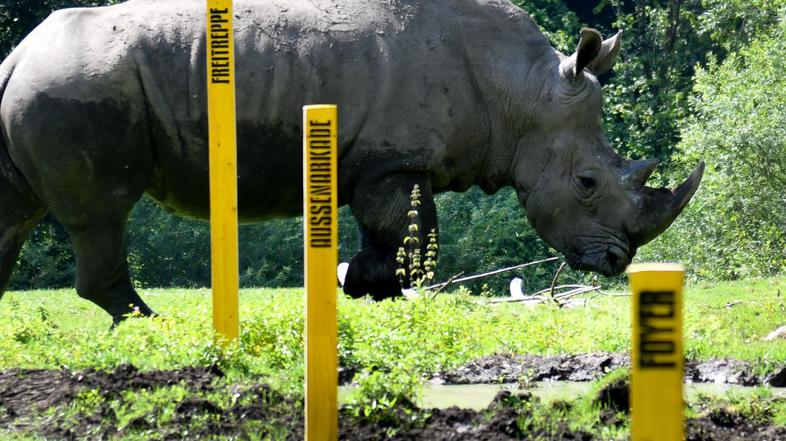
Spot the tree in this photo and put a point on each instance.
(665, 40)
(736, 226)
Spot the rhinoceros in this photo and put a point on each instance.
(102, 105)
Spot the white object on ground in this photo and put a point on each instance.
(341, 272)
(410, 293)
(778, 333)
(515, 288)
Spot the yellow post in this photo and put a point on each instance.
(321, 236)
(657, 407)
(223, 167)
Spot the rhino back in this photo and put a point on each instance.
(136, 72)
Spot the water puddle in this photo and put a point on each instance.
(479, 396)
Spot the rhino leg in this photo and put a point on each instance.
(380, 207)
(88, 158)
(102, 270)
(13, 233)
(19, 214)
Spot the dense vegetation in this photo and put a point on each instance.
(696, 79)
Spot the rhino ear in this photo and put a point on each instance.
(590, 45)
(607, 55)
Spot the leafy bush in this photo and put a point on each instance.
(736, 226)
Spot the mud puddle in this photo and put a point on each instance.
(479, 396)
(507, 368)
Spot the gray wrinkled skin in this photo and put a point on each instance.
(104, 104)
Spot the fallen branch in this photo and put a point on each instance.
(490, 273)
(543, 291)
(554, 282)
(609, 294)
(446, 284)
(541, 297)
(570, 294)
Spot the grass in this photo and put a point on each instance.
(393, 344)
(56, 329)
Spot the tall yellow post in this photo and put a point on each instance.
(223, 167)
(657, 407)
(321, 236)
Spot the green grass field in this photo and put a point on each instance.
(54, 329)
(394, 345)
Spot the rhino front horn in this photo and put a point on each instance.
(636, 173)
(662, 205)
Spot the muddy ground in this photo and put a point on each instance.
(25, 396)
(506, 368)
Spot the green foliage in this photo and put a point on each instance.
(779, 412)
(275, 335)
(387, 399)
(555, 20)
(87, 402)
(147, 407)
(48, 261)
(760, 406)
(648, 94)
(57, 329)
(736, 226)
(167, 250)
(734, 24)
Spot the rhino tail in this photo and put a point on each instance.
(20, 210)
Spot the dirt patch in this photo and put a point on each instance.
(507, 368)
(256, 409)
(25, 391)
(41, 402)
(723, 371)
(710, 428)
(47, 394)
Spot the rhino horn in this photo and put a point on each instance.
(660, 206)
(636, 173)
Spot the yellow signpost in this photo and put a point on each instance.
(223, 167)
(657, 408)
(321, 236)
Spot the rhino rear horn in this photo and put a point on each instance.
(661, 206)
(636, 173)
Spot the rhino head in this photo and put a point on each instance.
(580, 196)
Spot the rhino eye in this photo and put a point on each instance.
(587, 182)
